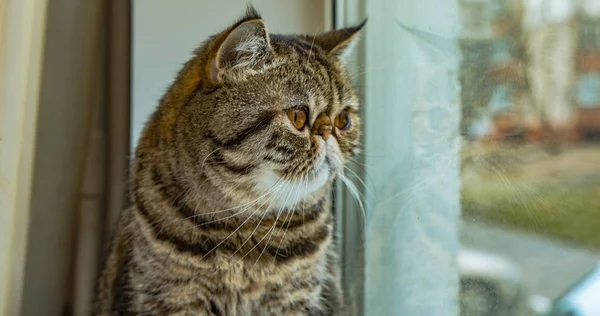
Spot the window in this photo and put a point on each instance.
(488, 109)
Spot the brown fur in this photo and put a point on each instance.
(218, 226)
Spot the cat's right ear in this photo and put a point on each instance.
(246, 47)
(338, 43)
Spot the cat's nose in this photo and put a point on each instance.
(322, 126)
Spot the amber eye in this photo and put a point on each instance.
(298, 116)
(342, 120)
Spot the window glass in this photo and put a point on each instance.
(528, 125)
(530, 159)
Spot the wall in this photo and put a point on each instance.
(70, 73)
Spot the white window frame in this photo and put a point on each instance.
(403, 261)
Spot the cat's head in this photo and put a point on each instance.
(261, 114)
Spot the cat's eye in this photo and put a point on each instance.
(342, 121)
(298, 116)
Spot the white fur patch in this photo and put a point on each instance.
(286, 193)
(344, 52)
(251, 51)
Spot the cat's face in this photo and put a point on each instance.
(281, 121)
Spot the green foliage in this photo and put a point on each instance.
(558, 200)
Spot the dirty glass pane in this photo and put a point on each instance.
(411, 149)
(530, 157)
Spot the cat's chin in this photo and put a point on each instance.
(288, 192)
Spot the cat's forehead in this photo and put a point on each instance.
(306, 71)
(299, 50)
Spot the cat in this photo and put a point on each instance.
(232, 181)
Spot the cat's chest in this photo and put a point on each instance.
(245, 288)
(256, 287)
(272, 275)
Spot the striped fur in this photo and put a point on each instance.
(231, 210)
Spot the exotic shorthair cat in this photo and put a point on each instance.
(231, 184)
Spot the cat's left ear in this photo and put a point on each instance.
(339, 43)
(246, 47)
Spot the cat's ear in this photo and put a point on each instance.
(339, 43)
(247, 46)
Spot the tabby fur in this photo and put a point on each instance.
(231, 204)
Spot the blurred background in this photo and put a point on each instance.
(530, 103)
(498, 100)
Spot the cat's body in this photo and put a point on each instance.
(231, 210)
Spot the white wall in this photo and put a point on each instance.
(166, 32)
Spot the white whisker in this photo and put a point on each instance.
(272, 231)
(254, 231)
(212, 152)
(238, 206)
(235, 231)
(302, 179)
(362, 182)
(356, 195)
